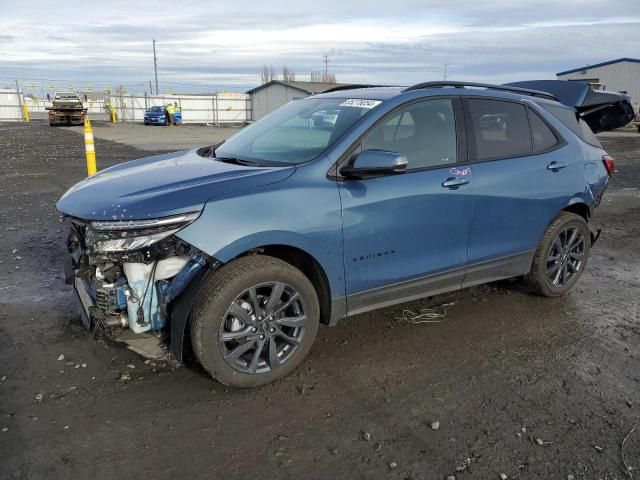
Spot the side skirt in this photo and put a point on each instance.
(484, 272)
(498, 269)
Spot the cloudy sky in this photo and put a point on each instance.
(223, 43)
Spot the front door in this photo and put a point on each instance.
(406, 235)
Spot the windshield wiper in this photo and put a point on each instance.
(237, 161)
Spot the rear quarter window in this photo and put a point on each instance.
(543, 137)
(570, 118)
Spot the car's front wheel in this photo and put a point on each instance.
(254, 320)
(561, 256)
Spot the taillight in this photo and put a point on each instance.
(609, 164)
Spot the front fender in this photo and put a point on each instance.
(299, 212)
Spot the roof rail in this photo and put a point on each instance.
(350, 87)
(488, 86)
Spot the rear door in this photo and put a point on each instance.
(523, 173)
(407, 234)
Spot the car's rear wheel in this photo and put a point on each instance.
(254, 320)
(561, 256)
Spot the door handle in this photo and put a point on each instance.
(555, 166)
(454, 183)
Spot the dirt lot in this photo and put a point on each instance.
(154, 138)
(524, 386)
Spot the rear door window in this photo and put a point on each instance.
(499, 129)
(543, 136)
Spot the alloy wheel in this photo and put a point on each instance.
(262, 327)
(566, 256)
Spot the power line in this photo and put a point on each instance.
(97, 83)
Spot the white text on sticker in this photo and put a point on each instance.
(360, 103)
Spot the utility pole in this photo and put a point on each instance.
(326, 65)
(155, 65)
(20, 99)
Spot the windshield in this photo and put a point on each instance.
(295, 133)
(156, 109)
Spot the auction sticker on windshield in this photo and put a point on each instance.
(360, 103)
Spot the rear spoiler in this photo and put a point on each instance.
(602, 110)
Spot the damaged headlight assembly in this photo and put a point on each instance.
(126, 235)
(129, 271)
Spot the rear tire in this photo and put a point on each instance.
(260, 306)
(561, 256)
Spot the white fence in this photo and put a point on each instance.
(10, 106)
(220, 108)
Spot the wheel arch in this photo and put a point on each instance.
(307, 264)
(578, 207)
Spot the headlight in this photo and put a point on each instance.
(121, 236)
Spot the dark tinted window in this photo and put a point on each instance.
(543, 137)
(572, 120)
(500, 129)
(425, 132)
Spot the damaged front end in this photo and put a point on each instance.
(127, 276)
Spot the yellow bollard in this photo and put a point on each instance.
(25, 112)
(113, 114)
(89, 148)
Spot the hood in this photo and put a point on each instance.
(161, 185)
(154, 113)
(601, 109)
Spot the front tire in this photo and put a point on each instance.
(561, 256)
(253, 321)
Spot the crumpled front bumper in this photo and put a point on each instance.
(143, 296)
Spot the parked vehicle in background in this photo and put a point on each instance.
(244, 248)
(156, 115)
(66, 109)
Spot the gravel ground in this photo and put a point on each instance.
(507, 384)
(153, 138)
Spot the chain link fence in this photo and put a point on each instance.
(216, 109)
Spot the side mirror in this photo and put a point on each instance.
(375, 162)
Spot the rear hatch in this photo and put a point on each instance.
(602, 110)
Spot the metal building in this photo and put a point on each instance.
(621, 75)
(273, 94)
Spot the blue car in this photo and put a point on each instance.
(240, 250)
(156, 116)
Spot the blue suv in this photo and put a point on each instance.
(237, 252)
